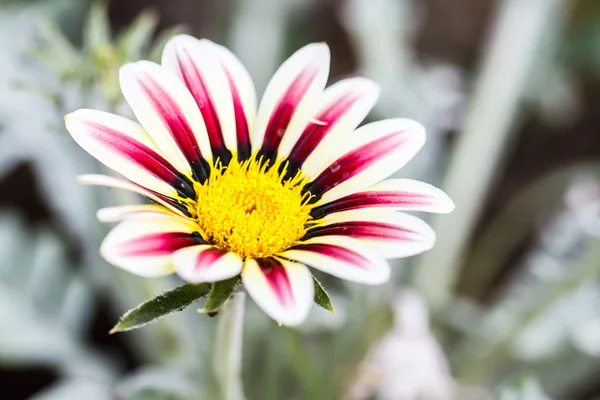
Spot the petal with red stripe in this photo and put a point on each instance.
(290, 100)
(110, 181)
(393, 234)
(168, 111)
(136, 211)
(196, 64)
(341, 256)
(344, 105)
(368, 155)
(205, 263)
(125, 147)
(396, 194)
(283, 289)
(145, 247)
(243, 95)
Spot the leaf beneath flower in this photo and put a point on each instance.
(219, 294)
(321, 297)
(168, 302)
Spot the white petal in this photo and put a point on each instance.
(167, 110)
(113, 182)
(393, 194)
(145, 247)
(125, 147)
(206, 263)
(243, 95)
(342, 256)
(343, 106)
(137, 211)
(283, 289)
(370, 154)
(291, 99)
(393, 234)
(197, 65)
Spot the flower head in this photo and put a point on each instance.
(261, 194)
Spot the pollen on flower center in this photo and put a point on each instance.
(250, 209)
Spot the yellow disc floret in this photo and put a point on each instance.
(251, 209)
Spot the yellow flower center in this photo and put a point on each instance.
(252, 210)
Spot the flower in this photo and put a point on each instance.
(260, 194)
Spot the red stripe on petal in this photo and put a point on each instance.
(143, 156)
(338, 252)
(195, 83)
(175, 121)
(284, 111)
(157, 244)
(241, 121)
(355, 162)
(207, 257)
(365, 230)
(316, 131)
(278, 279)
(373, 199)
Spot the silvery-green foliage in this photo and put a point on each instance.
(44, 305)
(522, 388)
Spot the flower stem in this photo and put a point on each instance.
(228, 348)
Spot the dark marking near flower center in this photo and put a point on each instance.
(283, 113)
(196, 83)
(177, 124)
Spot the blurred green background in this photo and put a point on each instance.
(506, 306)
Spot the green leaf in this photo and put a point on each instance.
(219, 294)
(321, 297)
(136, 38)
(168, 302)
(96, 32)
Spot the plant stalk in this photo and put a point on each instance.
(228, 348)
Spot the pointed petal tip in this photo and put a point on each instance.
(447, 205)
(177, 42)
(183, 36)
(131, 69)
(318, 51)
(89, 179)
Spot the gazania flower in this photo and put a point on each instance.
(261, 194)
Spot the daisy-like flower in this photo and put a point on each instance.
(260, 194)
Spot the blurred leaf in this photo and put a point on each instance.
(75, 389)
(219, 294)
(155, 394)
(96, 32)
(45, 92)
(522, 388)
(44, 303)
(155, 51)
(63, 53)
(160, 383)
(321, 297)
(136, 38)
(168, 302)
(509, 229)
